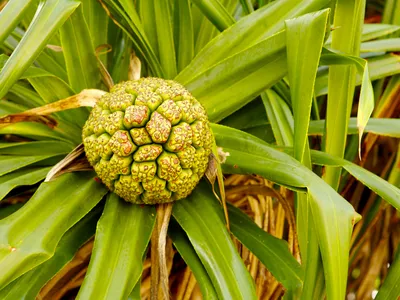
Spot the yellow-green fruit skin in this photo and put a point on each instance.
(148, 140)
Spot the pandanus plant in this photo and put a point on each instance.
(202, 87)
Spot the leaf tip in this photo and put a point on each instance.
(356, 218)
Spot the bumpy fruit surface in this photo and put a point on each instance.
(148, 140)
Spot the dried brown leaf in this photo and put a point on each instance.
(65, 279)
(55, 48)
(72, 156)
(165, 211)
(374, 266)
(16, 118)
(183, 283)
(155, 262)
(213, 172)
(135, 67)
(85, 98)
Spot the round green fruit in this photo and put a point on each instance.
(148, 140)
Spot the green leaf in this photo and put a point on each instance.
(10, 209)
(249, 116)
(380, 186)
(283, 90)
(9, 44)
(121, 57)
(271, 251)
(29, 285)
(252, 119)
(148, 20)
(247, 6)
(205, 30)
(366, 102)
(11, 15)
(201, 217)
(30, 236)
(385, 127)
(280, 116)
(390, 289)
(51, 14)
(157, 22)
(135, 294)
(125, 15)
(281, 168)
(379, 67)
(346, 38)
(80, 59)
(314, 280)
(22, 94)
(373, 31)
(189, 255)
(48, 59)
(304, 39)
(302, 65)
(31, 71)
(122, 235)
(386, 45)
(183, 31)
(35, 148)
(263, 132)
(21, 177)
(334, 217)
(50, 88)
(247, 32)
(229, 85)
(33, 130)
(50, 64)
(197, 18)
(391, 12)
(216, 13)
(12, 163)
(97, 22)
(29, 14)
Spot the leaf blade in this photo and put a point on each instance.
(158, 27)
(247, 32)
(380, 186)
(30, 236)
(11, 15)
(333, 229)
(216, 13)
(29, 285)
(379, 126)
(271, 251)
(224, 266)
(349, 17)
(225, 81)
(49, 17)
(304, 39)
(78, 50)
(122, 235)
(21, 177)
(189, 255)
(184, 37)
